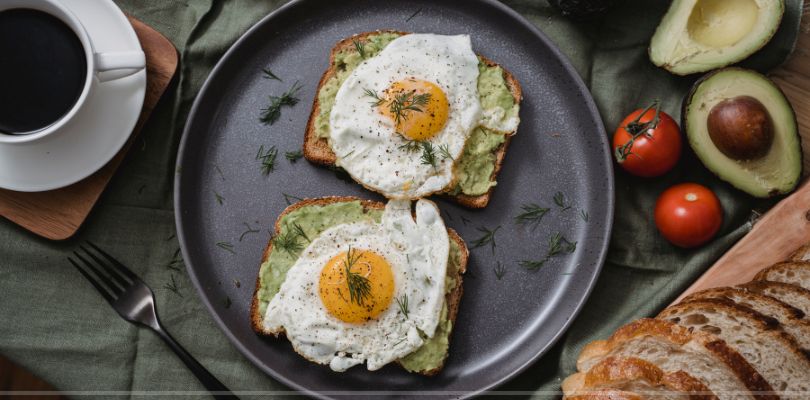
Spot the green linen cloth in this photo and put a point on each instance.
(58, 327)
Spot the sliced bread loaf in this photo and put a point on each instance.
(791, 294)
(673, 348)
(795, 272)
(637, 376)
(771, 351)
(789, 317)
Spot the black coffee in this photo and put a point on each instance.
(42, 70)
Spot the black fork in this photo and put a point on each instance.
(134, 301)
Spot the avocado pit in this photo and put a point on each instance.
(741, 128)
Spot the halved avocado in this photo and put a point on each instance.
(701, 35)
(742, 127)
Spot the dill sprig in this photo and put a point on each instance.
(465, 220)
(219, 171)
(272, 112)
(411, 146)
(487, 238)
(300, 232)
(499, 270)
(268, 159)
(532, 214)
(270, 75)
(557, 244)
(409, 101)
(360, 48)
(288, 242)
(428, 155)
(377, 99)
(227, 246)
(227, 302)
(172, 286)
(248, 231)
(219, 198)
(293, 156)
(559, 200)
(584, 215)
(402, 302)
(359, 285)
(287, 198)
(444, 151)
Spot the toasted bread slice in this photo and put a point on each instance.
(318, 150)
(639, 376)
(802, 254)
(674, 348)
(791, 294)
(771, 351)
(794, 272)
(789, 317)
(453, 298)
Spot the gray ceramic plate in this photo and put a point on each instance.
(503, 324)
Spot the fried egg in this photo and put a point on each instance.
(401, 118)
(366, 292)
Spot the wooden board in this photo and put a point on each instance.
(58, 214)
(785, 227)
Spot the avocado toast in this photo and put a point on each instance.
(477, 168)
(315, 216)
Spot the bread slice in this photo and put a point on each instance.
(796, 296)
(673, 348)
(795, 272)
(637, 376)
(453, 298)
(789, 317)
(318, 150)
(771, 351)
(802, 254)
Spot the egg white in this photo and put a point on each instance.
(417, 251)
(366, 143)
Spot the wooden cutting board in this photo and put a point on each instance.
(58, 214)
(785, 227)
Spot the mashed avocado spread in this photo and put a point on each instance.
(315, 219)
(474, 167)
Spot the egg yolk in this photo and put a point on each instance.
(418, 108)
(356, 285)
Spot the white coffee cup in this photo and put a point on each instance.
(101, 66)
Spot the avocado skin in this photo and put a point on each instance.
(689, 98)
(582, 9)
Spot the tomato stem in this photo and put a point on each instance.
(636, 129)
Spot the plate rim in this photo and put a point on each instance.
(601, 254)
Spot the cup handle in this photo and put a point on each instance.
(124, 63)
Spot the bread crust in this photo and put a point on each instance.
(318, 151)
(679, 335)
(453, 298)
(773, 273)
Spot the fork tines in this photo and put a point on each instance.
(108, 275)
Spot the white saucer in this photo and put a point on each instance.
(100, 128)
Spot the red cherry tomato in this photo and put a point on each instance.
(688, 214)
(646, 145)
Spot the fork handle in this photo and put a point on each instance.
(211, 383)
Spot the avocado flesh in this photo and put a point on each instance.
(779, 170)
(701, 35)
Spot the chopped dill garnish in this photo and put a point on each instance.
(270, 75)
(272, 112)
(411, 146)
(287, 198)
(360, 48)
(219, 198)
(300, 231)
(228, 246)
(219, 171)
(359, 285)
(288, 242)
(532, 214)
(557, 244)
(584, 215)
(487, 238)
(402, 301)
(533, 264)
(499, 270)
(465, 220)
(293, 156)
(248, 231)
(409, 101)
(413, 15)
(444, 151)
(227, 302)
(268, 159)
(559, 200)
(377, 99)
(428, 155)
